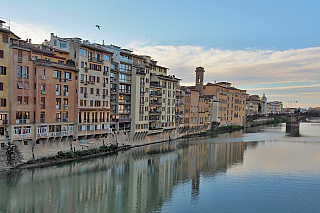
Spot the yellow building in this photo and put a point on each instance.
(5, 66)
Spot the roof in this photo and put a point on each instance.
(89, 46)
(42, 62)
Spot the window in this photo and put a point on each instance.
(5, 38)
(43, 72)
(19, 71)
(26, 72)
(90, 55)
(1, 86)
(20, 85)
(67, 75)
(19, 99)
(26, 100)
(26, 85)
(56, 74)
(43, 87)
(1, 53)
(83, 52)
(106, 57)
(3, 70)
(63, 44)
(43, 103)
(97, 91)
(3, 102)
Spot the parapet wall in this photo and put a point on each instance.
(21, 151)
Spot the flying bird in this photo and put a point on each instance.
(98, 26)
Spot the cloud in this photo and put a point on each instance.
(241, 67)
(34, 32)
(258, 71)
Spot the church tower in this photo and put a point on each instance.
(199, 79)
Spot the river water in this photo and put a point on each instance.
(263, 170)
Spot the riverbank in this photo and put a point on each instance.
(70, 156)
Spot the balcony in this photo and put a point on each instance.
(123, 119)
(155, 84)
(62, 80)
(121, 101)
(4, 122)
(154, 112)
(124, 111)
(97, 60)
(126, 60)
(123, 81)
(155, 103)
(124, 91)
(157, 94)
(22, 121)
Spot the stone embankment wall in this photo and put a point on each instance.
(21, 152)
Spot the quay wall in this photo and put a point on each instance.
(20, 152)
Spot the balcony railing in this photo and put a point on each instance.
(43, 92)
(43, 77)
(97, 60)
(155, 84)
(22, 121)
(65, 119)
(155, 103)
(124, 91)
(156, 94)
(65, 106)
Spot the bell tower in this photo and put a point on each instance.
(199, 79)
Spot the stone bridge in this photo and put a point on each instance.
(292, 120)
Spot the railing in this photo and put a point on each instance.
(126, 60)
(93, 59)
(155, 112)
(124, 91)
(125, 81)
(113, 90)
(123, 119)
(58, 92)
(112, 79)
(155, 103)
(62, 80)
(155, 93)
(22, 121)
(85, 95)
(65, 106)
(58, 106)
(20, 59)
(105, 73)
(142, 83)
(43, 77)
(155, 84)
(42, 120)
(124, 111)
(65, 119)
(58, 119)
(142, 93)
(43, 92)
(124, 101)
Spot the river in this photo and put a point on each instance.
(261, 170)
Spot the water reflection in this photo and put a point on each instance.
(138, 180)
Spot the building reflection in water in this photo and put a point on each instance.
(137, 180)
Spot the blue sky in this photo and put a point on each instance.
(256, 45)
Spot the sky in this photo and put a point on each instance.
(269, 47)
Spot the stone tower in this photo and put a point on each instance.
(199, 79)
